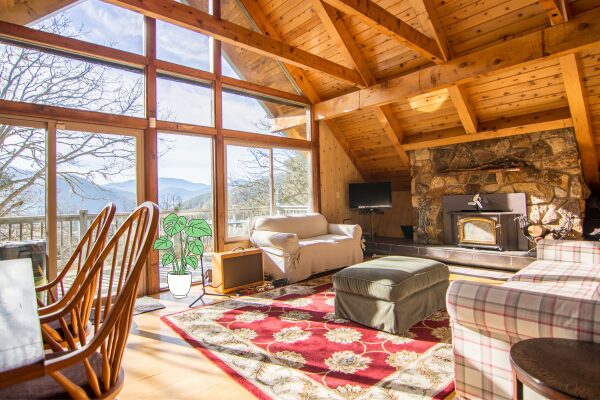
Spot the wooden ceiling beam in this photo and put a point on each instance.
(580, 33)
(462, 102)
(582, 122)
(520, 125)
(228, 32)
(557, 10)
(389, 25)
(430, 22)
(338, 31)
(345, 42)
(264, 25)
(30, 11)
(393, 131)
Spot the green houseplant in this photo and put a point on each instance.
(182, 246)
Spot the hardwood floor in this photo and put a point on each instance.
(159, 364)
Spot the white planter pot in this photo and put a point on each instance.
(179, 285)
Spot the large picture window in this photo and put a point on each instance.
(100, 23)
(262, 115)
(34, 76)
(184, 101)
(265, 181)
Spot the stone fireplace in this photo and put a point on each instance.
(545, 166)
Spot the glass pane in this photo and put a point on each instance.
(23, 189)
(100, 23)
(248, 187)
(291, 171)
(92, 169)
(33, 76)
(247, 113)
(246, 65)
(182, 46)
(184, 101)
(185, 185)
(202, 5)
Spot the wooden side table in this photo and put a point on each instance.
(557, 368)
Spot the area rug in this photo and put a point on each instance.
(287, 344)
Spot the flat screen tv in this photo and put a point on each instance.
(370, 195)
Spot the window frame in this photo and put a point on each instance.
(272, 201)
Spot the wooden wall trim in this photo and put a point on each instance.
(149, 158)
(581, 32)
(268, 140)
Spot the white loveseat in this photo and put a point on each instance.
(298, 246)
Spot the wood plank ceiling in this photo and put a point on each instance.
(330, 48)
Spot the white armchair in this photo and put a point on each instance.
(297, 246)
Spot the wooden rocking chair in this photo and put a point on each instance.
(81, 261)
(87, 249)
(92, 369)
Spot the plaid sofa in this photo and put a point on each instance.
(558, 295)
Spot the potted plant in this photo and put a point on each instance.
(181, 246)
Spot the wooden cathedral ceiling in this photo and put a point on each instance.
(390, 76)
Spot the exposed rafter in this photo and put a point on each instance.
(581, 119)
(388, 24)
(520, 125)
(580, 33)
(228, 32)
(557, 10)
(338, 31)
(430, 22)
(29, 11)
(264, 25)
(460, 98)
(345, 42)
(393, 131)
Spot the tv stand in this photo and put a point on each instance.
(371, 212)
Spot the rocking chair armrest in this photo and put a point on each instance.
(22, 374)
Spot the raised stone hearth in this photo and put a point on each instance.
(544, 165)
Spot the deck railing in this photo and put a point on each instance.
(71, 227)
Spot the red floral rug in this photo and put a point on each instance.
(288, 344)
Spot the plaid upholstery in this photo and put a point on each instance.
(548, 271)
(573, 251)
(570, 290)
(487, 319)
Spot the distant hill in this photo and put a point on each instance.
(84, 195)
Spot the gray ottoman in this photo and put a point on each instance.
(391, 293)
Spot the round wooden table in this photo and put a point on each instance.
(557, 368)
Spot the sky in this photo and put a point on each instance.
(187, 158)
